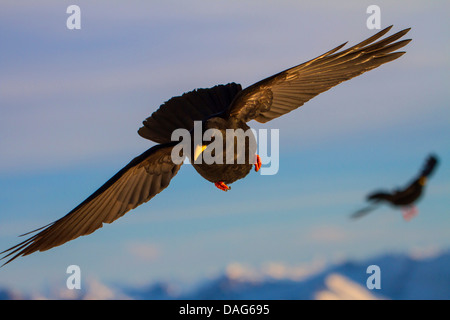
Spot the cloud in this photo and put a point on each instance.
(280, 270)
(144, 251)
(62, 91)
(328, 234)
(99, 291)
(92, 289)
(342, 288)
(422, 253)
(274, 270)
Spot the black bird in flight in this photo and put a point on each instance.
(221, 107)
(403, 198)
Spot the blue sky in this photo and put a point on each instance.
(72, 101)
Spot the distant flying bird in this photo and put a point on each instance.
(402, 198)
(221, 107)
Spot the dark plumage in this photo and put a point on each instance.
(221, 107)
(405, 197)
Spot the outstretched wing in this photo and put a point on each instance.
(429, 166)
(290, 89)
(138, 182)
(362, 212)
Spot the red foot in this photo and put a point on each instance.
(257, 163)
(222, 186)
(409, 213)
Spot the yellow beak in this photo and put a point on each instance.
(423, 181)
(198, 150)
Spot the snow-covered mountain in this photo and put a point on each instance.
(402, 277)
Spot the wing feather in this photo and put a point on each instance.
(293, 87)
(138, 182)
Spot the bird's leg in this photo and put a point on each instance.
(257, 162)
(409, 212)
(222, 186)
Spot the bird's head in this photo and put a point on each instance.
(212, 132)
(225, 139)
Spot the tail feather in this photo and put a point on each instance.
(181, 112)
